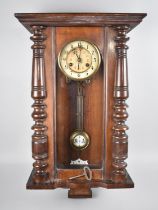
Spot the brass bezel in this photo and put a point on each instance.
(76, 133)
(80, 79)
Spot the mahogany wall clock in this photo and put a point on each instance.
(79, 87)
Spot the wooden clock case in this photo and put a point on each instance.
(104, 101)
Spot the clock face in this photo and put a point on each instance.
(79, 140)
(79, 60)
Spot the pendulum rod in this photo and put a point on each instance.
(79, 113)
(79, 120)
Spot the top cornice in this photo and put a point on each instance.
(79, 19)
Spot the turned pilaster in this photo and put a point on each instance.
(39, 115)
(119, 136)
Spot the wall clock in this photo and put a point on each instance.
(79, 87)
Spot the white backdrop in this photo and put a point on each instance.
(15, 111)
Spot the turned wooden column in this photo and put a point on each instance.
(39, 115)
(119, 136)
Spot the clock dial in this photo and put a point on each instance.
(79, 60)
(79, 140)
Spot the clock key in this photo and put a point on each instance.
(86, 172)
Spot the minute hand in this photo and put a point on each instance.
(75, 52)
